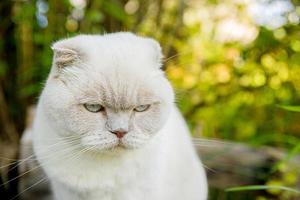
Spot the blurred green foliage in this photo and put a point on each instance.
(228, 71)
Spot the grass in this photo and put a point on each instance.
(262, 187)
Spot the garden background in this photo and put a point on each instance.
(233, 64)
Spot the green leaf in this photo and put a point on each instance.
(293, 152)
(261, 187)
(290, 108)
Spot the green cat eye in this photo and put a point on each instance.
(142, 108)
(93, 107)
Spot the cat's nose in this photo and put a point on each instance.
(119, 134)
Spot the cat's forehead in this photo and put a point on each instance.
(118, 90)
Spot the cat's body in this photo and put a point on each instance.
(136, 147)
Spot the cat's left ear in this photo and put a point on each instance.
(158, 55)
(64, 55)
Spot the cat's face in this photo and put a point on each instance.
(108, 91)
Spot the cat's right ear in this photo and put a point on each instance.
(63, 55)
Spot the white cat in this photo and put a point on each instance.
(107, 127)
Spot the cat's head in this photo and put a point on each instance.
(108, 91)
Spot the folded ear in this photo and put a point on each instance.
(63, 55)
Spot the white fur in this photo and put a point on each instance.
(155, 160)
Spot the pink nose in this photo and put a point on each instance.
(119, 134)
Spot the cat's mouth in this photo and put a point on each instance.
(110, 144)
(120, 144)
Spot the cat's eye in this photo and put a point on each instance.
(142, 108)
(93, 107)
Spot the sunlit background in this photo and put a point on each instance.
(233, 63)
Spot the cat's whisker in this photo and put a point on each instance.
(30, 187)
(70, 146)
(210, 144)
(36, 167)
(205, 145)
(164, 61)
(61, 138)
(72, 158)
(19, 161)
(208, 168)
(209, 141)
(175, 56)
(10, 164)
(9, 159)
(31, 157)
(45, 178)
(58, 143)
